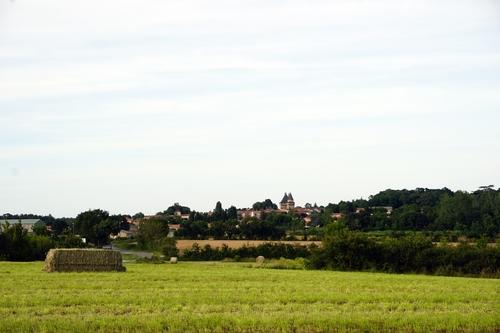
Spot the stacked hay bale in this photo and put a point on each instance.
(83, 260)
(260, 260)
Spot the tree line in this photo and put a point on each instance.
(473, 214)
(343, 249)
(16, 244)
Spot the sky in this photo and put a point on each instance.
(131, 106)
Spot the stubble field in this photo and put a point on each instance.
(227, 297)
(183, 244)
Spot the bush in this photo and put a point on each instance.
(17, 245)
(267, 250)
(153, 260)
(282, 263)
(347, 250)
(169, 248)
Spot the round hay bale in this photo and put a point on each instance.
(173, 260)
(260, 260)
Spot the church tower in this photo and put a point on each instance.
(287, 203)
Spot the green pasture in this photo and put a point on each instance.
(234, 297)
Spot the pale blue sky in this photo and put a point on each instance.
(133, 105)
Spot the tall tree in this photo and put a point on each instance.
(232, 213)
(219, 214)
(266, 204)
(96, 226)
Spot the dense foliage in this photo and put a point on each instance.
(96, 226)
(272, 226)
(350, 250)
(16, 244)
(175, 208)
(268, 250)
(440, 214)
(473, 214)
(263, 205)
(153, 235)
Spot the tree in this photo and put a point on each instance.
(271, 228)
(169, 248)
(14, 243)
(263, 205)
(344, 249)
(409, 217)
(232, 213)
(17, 245)
(219, 213)
(121, 220)
(152, 232)
(197, 229)
(345, 207)
(323, 219)
(176, 208)
(59, 226)
(459, 208)
(96, 226)
(138, 216)
(40, 229)
(224, 229)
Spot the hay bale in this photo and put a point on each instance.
(173, 260)
(260, 260)
(83, 260)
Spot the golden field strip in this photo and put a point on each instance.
(184, 244)
(236, 297)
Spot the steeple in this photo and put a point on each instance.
(287, 203)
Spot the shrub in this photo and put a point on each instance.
(17, 245)
(154, 259)
(347, 250)
(169, 247)
(282, 263)
(267, 250)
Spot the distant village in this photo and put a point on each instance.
(286, 206)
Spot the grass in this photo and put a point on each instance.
(222, 297)
(282, 263)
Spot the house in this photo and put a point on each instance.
(337, 216)
(388, 209)
(124, 234)
(248, 213)
(182, 212)
(172, 228)
(27, 224)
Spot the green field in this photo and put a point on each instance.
(230, 297)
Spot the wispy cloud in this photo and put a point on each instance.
(203, 101)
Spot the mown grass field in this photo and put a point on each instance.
(223, 297)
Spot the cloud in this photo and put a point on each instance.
(195, 100)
